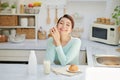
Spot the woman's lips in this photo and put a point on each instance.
(62, 30)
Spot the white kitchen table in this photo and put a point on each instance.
(19, 72)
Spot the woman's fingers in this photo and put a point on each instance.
(54, 31)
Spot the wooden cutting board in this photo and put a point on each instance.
(64, 10)
(56, 15)
(48, 20)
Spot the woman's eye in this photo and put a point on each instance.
(61, 22)
(68, 25)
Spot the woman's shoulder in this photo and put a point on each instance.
(76, 39)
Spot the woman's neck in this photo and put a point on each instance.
(64, 40)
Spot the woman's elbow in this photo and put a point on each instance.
(63, 63)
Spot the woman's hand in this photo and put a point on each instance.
(56, 36)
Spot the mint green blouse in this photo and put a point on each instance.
(68, 54)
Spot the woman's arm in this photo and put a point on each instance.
(71, 53)
(50, 52)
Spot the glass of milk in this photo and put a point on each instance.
(46, 64)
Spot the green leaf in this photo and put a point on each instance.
(4, 5)
(13, 6)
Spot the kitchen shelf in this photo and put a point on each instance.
(18, 14)
(29, 29)
(17, 27)
(86, 0)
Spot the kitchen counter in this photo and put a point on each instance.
(34, 44)
(38, 44)
(19, 72)
(90, 46)
(27, 44)
(100, 48)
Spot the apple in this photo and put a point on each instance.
(30, 5)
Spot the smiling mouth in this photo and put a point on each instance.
(63, 30)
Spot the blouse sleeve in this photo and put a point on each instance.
(71, 53)
(50, 52)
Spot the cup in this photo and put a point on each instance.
(6, 32)
(24, 21)
(46, 64)
(13, 32)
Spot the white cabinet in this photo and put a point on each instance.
(21, 55)
(82, 57)
(40, 56)
(23, 23)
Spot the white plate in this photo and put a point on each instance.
(73, 71)
(17, 41)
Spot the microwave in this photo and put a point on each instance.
(108, 34)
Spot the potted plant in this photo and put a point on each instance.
(4, 5)
(13, 8)
(116, 15)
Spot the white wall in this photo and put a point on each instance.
(88, 10)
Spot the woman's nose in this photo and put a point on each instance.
(63, 25)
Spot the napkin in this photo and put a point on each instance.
(63, 71)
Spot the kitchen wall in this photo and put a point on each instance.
(88, 11)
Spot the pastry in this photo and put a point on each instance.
(73, 68)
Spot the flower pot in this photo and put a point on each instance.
(13, 11)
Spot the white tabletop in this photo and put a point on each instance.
(19, 72)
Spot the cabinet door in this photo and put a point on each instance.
(21, 55)
(82, 57)
(40, 56)
(14, 55)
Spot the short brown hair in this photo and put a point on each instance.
(68, 17)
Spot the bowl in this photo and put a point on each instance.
(3, 38)
(17, 38)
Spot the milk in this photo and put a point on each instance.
(46, 64)
(32, 64)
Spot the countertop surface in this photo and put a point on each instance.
(41, 44)
(19, 72)
(90, 46)
(30, 44)
(27, 44)
(94, 48)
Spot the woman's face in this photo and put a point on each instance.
(64, 26)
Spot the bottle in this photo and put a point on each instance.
(21, 8)
(32, 63)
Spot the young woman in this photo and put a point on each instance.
(62, 48)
